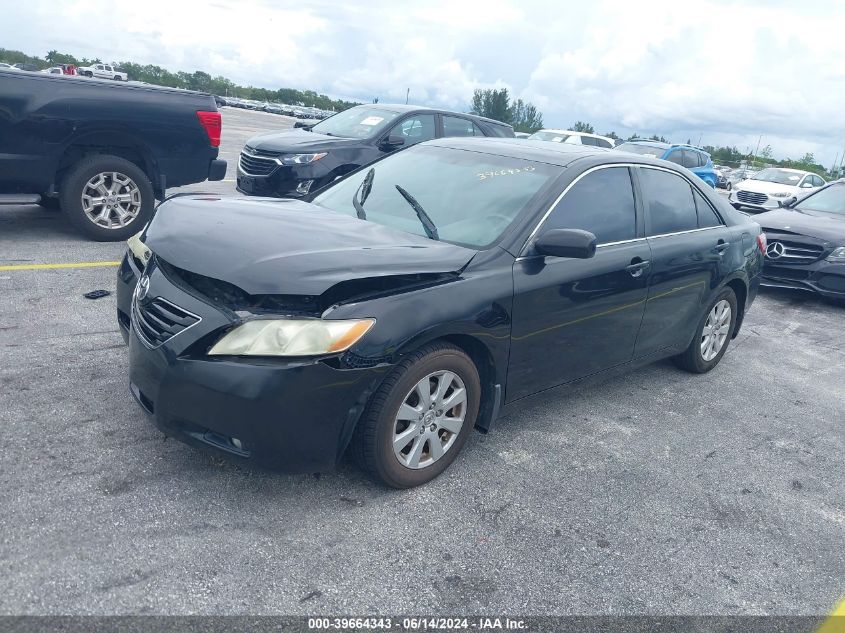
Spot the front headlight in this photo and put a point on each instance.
(780, 194)
(837, 256)
(302, 159)
(291, 337)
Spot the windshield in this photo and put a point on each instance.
(778, 176)
(470, 197)
(644, 150)
(360, 122)
(828, 200)
(543, 135)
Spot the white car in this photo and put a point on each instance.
(103, 71)
(573, 138)
(766, 189)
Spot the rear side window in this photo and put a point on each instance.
(691, 159)
(706, 215)
(670, 202)
(456, 126)
(602, 202)
(676, 157)
(602, 143)
(499, 130)
(588, 140)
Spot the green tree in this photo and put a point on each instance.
(580, 126)
(492, 103)
(766, 153)
(495, 104)
(612, 135)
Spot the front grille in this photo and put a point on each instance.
(788, 252)
(751, 197)
(253, 165)
(158, 321)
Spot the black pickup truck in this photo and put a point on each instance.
(102, 150)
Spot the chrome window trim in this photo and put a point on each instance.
(608, 166)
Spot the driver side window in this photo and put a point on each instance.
(415, 129)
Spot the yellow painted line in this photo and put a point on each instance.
(57, 266)
(836, 622)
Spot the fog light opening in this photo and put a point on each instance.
(304, 186)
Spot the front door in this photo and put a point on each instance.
(576, 317)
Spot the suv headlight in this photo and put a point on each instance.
(837, 256)
(301, 159)
(291, 337)
(780, 194)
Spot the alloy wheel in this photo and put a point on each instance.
(111, 200)
(429, 419)
(716, 330)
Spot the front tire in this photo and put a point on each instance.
(420, 417)
(107, 198)
(712, 335)
(728, 186)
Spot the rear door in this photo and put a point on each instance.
(576, 317)
(688, 241)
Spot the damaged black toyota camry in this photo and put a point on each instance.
(404, 305)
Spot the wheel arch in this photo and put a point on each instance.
(482, 356)
(116, 142)
(740, 288)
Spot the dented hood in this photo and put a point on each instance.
(268, 246)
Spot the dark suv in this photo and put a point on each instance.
(294, 162)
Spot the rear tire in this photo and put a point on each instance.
(712, 335)
(125, 192)
(397, 411)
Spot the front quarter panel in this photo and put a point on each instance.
(477, 304)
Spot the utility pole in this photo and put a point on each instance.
(407, 94)
(699, 138)
(754, 160)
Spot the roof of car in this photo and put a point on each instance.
(402, 107)
(557, 131)
(645, 141)
(789, 169)
(561, 154)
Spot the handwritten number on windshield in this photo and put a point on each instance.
(485, 175)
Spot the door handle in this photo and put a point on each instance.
(721, 247)
(637, 268)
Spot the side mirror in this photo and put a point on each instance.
(392, 142)
(806, 185)
(573, 243)
(786, 204)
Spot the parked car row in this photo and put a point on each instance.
(300, 112)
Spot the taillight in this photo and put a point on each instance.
(213, 125)
(761, 242)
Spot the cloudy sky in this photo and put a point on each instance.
(722, 72)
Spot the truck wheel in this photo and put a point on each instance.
(107, 198)
(117, 78)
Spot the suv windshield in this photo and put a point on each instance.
(828, 200)
(778, 176)
(543, 135)
(360, 122)
(470, 197)
(644, 150)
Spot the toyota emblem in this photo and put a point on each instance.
(143, 288)
(775, 250)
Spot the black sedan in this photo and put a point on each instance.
(806, 243)
(294, 163)
(407, 303)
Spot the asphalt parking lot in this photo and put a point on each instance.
(659, 492)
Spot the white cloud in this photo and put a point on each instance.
(726, 71)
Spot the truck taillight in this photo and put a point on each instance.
(761, 243)
(213, 125)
